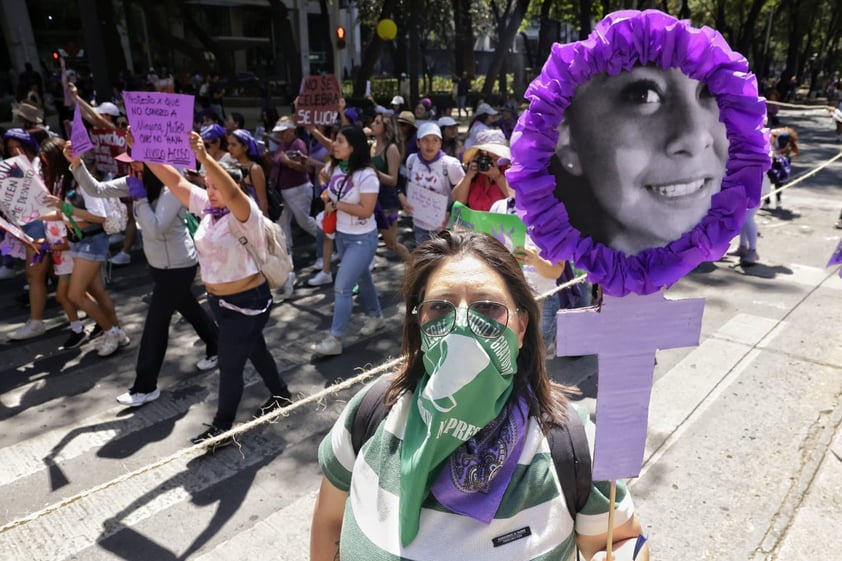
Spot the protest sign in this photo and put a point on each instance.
(161, 125)
(625, 333)
(79, 138)
(428, 207)
(836, 257)
(109, 143)
(17, 232)
(22, 193)
(318, 101)
(508, 229)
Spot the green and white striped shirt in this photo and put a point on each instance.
(532, 522)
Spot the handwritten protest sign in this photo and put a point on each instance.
(428, 207)
(109, 143)
(17, 232)
(161, 123)
(318, 101)
(79, 138)
(508, 229)
(22, 193)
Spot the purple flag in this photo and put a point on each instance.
(161, 125)
(79, 134)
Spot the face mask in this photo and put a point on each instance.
(468, 382)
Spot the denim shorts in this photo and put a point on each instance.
(91, 248)
(35, 230)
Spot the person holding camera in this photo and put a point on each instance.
(485, 180)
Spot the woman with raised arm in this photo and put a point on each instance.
(172, 260)
(238, 293)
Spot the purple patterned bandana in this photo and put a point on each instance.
(216, 212)
(474, 479)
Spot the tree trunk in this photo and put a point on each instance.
(547, 34)
(412, 13)
(585, 7)
(504, 44)
(746, 40)
(287, 43)
(371, 52)
(463, 32)
(327, 32)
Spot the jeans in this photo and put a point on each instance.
(748, 235)
(297, 202)
(357, 251)
(171, 292)
(549, 309)
(422, 235)
(241, 338)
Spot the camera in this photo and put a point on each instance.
(483, 162)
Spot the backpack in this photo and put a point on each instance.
(277, 264)
(568, 444)
(116, 215)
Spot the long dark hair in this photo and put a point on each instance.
(152, 183)
(57, 176)
(360, 152)
(546, 399)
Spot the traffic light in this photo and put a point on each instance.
(55, 56)
(340, 37)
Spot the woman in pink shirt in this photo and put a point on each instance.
(238, 293)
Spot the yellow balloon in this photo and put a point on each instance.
(387, 29)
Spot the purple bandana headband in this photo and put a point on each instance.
(620, 42)
(247, 140)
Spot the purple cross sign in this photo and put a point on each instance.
(625, 335)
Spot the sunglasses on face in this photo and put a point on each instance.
(485, 318)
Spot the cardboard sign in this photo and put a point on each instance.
(22, 193)
(318, 101)
(508, 229)
(624, 335)
(428, 207)
(109, 143)
(17, 232)
(161, 125)
(79, 138)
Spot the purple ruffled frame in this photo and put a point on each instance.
(621, 41)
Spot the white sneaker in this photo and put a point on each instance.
(7, 273)
(122, 338)
(321, 278)
(208, 363)
(289, 287)
(372, 324)
(330, 345)
(121, 258)
(32, 328)
(319, 264)
(109, 345)
(137, 399)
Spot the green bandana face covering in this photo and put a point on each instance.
(343, 165)
(469, 379)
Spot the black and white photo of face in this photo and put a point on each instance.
(639, 157)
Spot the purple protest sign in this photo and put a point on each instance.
(79, 138)
(161, 125)
(625, 334)
(836, 258)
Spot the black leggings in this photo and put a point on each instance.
(241, 338)
(171, 293)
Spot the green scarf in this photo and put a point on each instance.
(468, 382)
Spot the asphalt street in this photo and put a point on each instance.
(744, 450)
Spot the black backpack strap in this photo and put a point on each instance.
(572, 458)
(371, 412)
